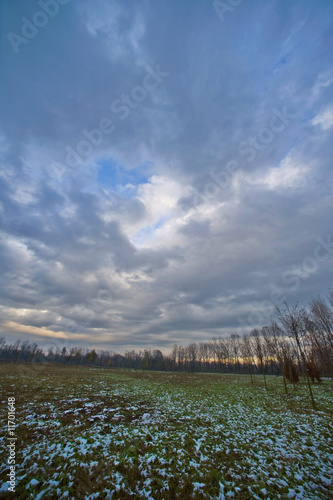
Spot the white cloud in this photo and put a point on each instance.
(290, 173)
(106, 22)
(160, 197)
(324, 80)
(325, 118)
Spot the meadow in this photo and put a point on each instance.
(88, 433)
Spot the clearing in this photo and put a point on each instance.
(121, 434)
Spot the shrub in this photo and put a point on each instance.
(290, 372)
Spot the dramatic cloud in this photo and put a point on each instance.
(165, 167)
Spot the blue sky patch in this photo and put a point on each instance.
(114, 176)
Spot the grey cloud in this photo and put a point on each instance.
(67, 243)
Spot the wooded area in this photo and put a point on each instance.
(298, 341)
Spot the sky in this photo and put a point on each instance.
(166, 167)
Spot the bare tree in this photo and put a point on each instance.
(192, 354)
(234, 342)
(181, 357)
(292, 320)
(173, 357)
(259, 350)
(277, 347)
(320, 327)
(247, 354)
(218, 352)
(204, 354)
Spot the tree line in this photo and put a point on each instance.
(298, 341)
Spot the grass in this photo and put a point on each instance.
(98, 433)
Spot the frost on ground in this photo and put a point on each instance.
(95, 433)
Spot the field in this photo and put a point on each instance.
(97, 433)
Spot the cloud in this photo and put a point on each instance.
(137, 243)
(324, 119)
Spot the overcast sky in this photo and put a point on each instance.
(166, 167)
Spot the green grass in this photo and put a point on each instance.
(97, 433)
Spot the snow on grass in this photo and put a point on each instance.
(89, 433)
